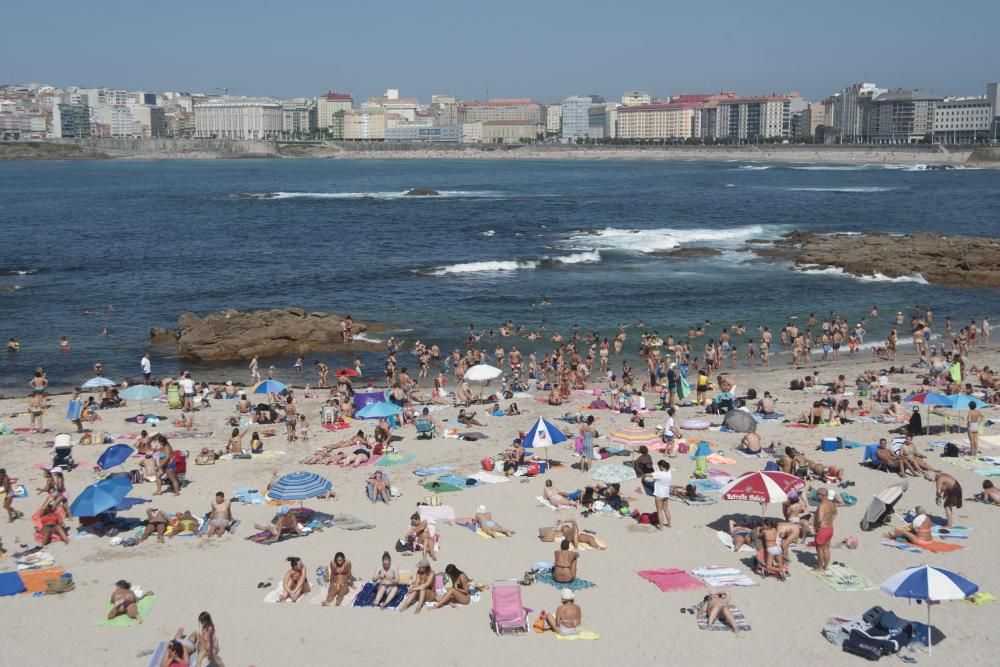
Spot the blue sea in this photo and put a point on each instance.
(157, 238)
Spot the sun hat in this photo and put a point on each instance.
(482, 509)
(566, 595)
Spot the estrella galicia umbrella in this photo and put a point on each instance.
(300, 486)
(101, 496)
(930, 584)
(115, 455)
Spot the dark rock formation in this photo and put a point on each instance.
(690, 251)
(422, 192)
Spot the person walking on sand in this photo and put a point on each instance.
(973, 425)
(146, 367)
(7, 488)
(826, 512)
(254, 371)
(662, 479)
(949, 494)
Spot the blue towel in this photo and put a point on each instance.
(459, 481)
(706, 484)
(11, 584)
(366, 596)
(432, 471)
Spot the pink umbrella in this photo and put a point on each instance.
(767, 486)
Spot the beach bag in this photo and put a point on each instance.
(533, 469)
(487, 464)
(682, 448)
(951, 450)
(58, 586)
(751, 394)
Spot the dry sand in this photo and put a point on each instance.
(634, 619)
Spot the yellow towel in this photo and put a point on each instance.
(583, 634)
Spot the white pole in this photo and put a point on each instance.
(930, 634)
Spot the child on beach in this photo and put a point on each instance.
(303, 428)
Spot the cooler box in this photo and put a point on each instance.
(829, 444)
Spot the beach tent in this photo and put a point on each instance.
(880, 508)
(740, 421)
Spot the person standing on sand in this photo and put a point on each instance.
(291, 418)
(949, 494)
(36, 408)
(7, 488)
(826, 512)
(973, 425)
(146, 367)
(254, 371)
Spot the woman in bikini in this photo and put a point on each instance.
(420, 534)
(422, 590)
(918, 532)
(340, 579)
(295, 584)
(387, 578)
(156, 523)
(123, 601)
(459, 593)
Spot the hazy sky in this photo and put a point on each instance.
(546, 49)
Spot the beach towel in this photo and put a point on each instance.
(459, 481)
(720, 576)
(157, 656)
(575, 585)
(699, 499)
(671, 579)
(988, 472)
(272, 596)
(248, 496)
(902, 545)
(953, 533)
(145, 605)
(843, 578)
(706, 485)
(935, 547)
(979, 598)
(439, 513)
(583, 634)
(727, 541)
(396, 459)
(351, 522)
(10, 584)
(718, 459)
(266, 537)
(545, 503)
(489, 478)
(432, 471)
(366, 596)
(741, 621)
(439, 487)
(34, 559)
(36, 581)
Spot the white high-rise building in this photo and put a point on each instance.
(237, 118)
(633, 98)
(576, 117)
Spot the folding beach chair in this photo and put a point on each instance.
(425, 428)
(507, 612)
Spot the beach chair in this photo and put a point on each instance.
(507, 612)
(425, 428)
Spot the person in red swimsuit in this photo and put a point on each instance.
(825, 514)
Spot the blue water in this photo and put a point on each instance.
(158, 238)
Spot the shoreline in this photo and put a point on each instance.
(199, 149)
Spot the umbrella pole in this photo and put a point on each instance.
(930, 631)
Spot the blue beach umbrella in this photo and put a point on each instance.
(300, 486)
(115, 455)
(268, 387)
(101, 496)
(378, 410)
(140, 392)
(97, 383)
(930, 584)
(961, 402)
(928, 398)
(542, 434)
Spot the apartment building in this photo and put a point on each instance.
(658, 121)
(237, 118)
(522, 109)
(327, 109)
(902, 117)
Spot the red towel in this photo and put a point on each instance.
(672, 579)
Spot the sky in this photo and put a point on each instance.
(544, 49)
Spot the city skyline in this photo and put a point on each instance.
(517, 49)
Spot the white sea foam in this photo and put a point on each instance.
(754, 167)
(482, 267)
(488, 232)
(828, 167)
(855, 190)
(586, 257)
(367, 339)
(664, 238)
(877, 278)
(442, 194)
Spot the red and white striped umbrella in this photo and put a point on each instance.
(767, 486)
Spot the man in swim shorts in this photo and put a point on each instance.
(949, 494)
(825, 515)
(220, 517)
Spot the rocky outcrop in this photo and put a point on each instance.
(421, 192)
(232, 335)
(958, 261)
(688, 251)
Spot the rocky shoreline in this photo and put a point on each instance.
(233, 335)
(938, 259)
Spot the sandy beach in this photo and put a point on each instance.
(635, 620)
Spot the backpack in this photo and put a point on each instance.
(951, 450)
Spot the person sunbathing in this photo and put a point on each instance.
(488, 525)
(554, 397)
(177, 654)
(340, 579)
(358, 457)
(773, 563)
(796, 511)
(296, 583)
(914, 458)
(894, 463)
(766, 405)
(284, 523)
(380, 489)
(571, 531)
(459, 593)
(917, 532)
(420, 534)
(52, 523)
(468, 419)
(750, 442)
(742, 533)
(463, 396)
(512, 410)
(422, 590)
(387, 578)
(990, 494)
(220, 516)
(568, 616)
(716, 606)
(156, 523)
(124, 602)
(185, 522)
(555, 497)
(688, 491)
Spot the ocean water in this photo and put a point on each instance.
(157, 238)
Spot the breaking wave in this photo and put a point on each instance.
(503, 266)
(877, 278)
(854, 190)
(664, 238)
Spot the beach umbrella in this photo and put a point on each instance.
(299, 486)
(97, 383)
(378, 410)
(347, 373)
(101, 496)
(764, 487)
(930, 584)
(268, 387)
(543, 434)
(880, 508)
(961, 402)
(740, 421)
(140, 392)
(482, 373)
(927, 398)
(612, 473)
(635, 437)
(115, 455)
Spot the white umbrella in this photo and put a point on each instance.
(97, 382)
(931, 584)
(482, 373)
